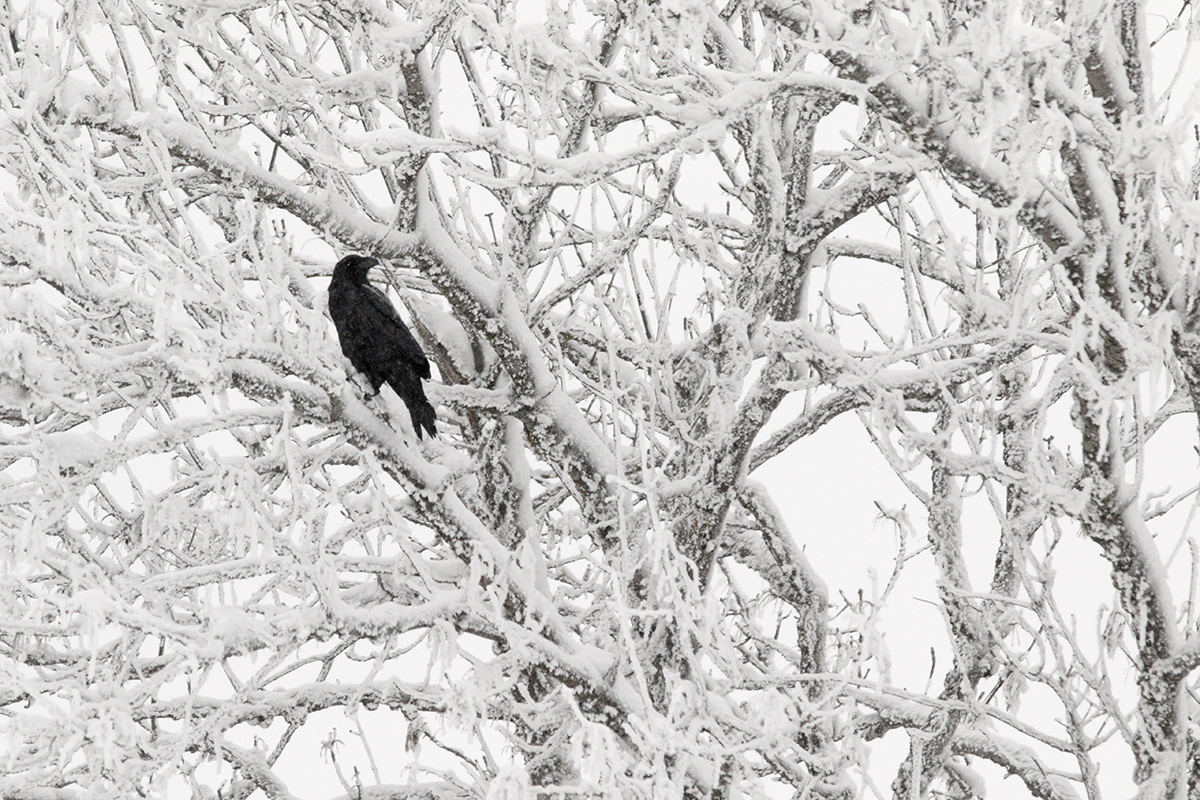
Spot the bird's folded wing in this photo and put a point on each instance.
(392, 331)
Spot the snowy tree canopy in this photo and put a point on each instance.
(676, 264)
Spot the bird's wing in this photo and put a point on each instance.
(393, 333)
(380, 302)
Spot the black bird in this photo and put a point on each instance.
(377, 341)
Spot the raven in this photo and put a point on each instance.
(377, 341)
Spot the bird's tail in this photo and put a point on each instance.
(408, 386)
(423, 416)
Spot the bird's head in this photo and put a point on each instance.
(355, 268)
